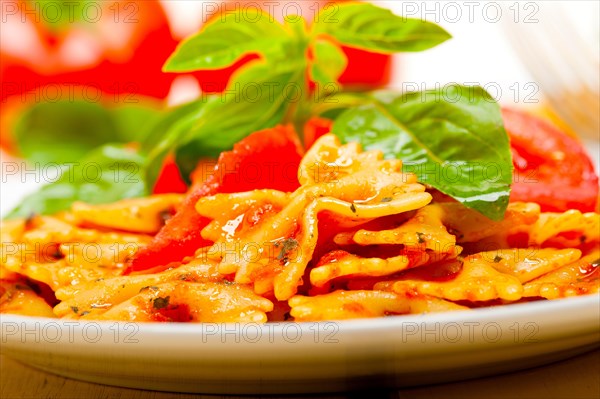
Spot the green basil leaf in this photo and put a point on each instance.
(372, 28)
(65, 131)
(107, 174)
(452, 138)
(329, 62)
(134, 121)
(225, 40)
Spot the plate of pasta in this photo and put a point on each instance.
(391, 253)
(389, 239)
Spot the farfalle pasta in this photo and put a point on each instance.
(359, 238)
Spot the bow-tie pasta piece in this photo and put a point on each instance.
(477, 281)
(340, 305)
(579, 278)
(17, 297)
(527, 264)
(193, 302)
(93, 298)
(569, 229)
(136, 215)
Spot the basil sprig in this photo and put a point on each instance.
(453, 140)
(274, 89)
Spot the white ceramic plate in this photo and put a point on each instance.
(307, 357)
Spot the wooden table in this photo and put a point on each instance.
(578, 377)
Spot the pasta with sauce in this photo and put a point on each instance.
(358, 239)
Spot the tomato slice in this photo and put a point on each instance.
(551, 168)
(169, 180)
(268, 159)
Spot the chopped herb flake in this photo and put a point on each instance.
(287, 245)
(497, 259)
(160, 303)
(386, 199)
(353, 208)
(455, 233)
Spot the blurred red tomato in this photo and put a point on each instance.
(366, 68)
(111, 46)
(120, 46)
(314, 128)
(551, 168)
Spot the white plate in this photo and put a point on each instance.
(307, 357)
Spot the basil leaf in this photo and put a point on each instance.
(329, 62)
(225, 40)
(134, 121)
(452, 138)
(107, 174)
(168, 118)
(372, 28)
(65, 131)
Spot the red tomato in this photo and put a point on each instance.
(169, 179)
(267, 159)
(315, 128)
(114, 46)
(551, 168)
(366, 68)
